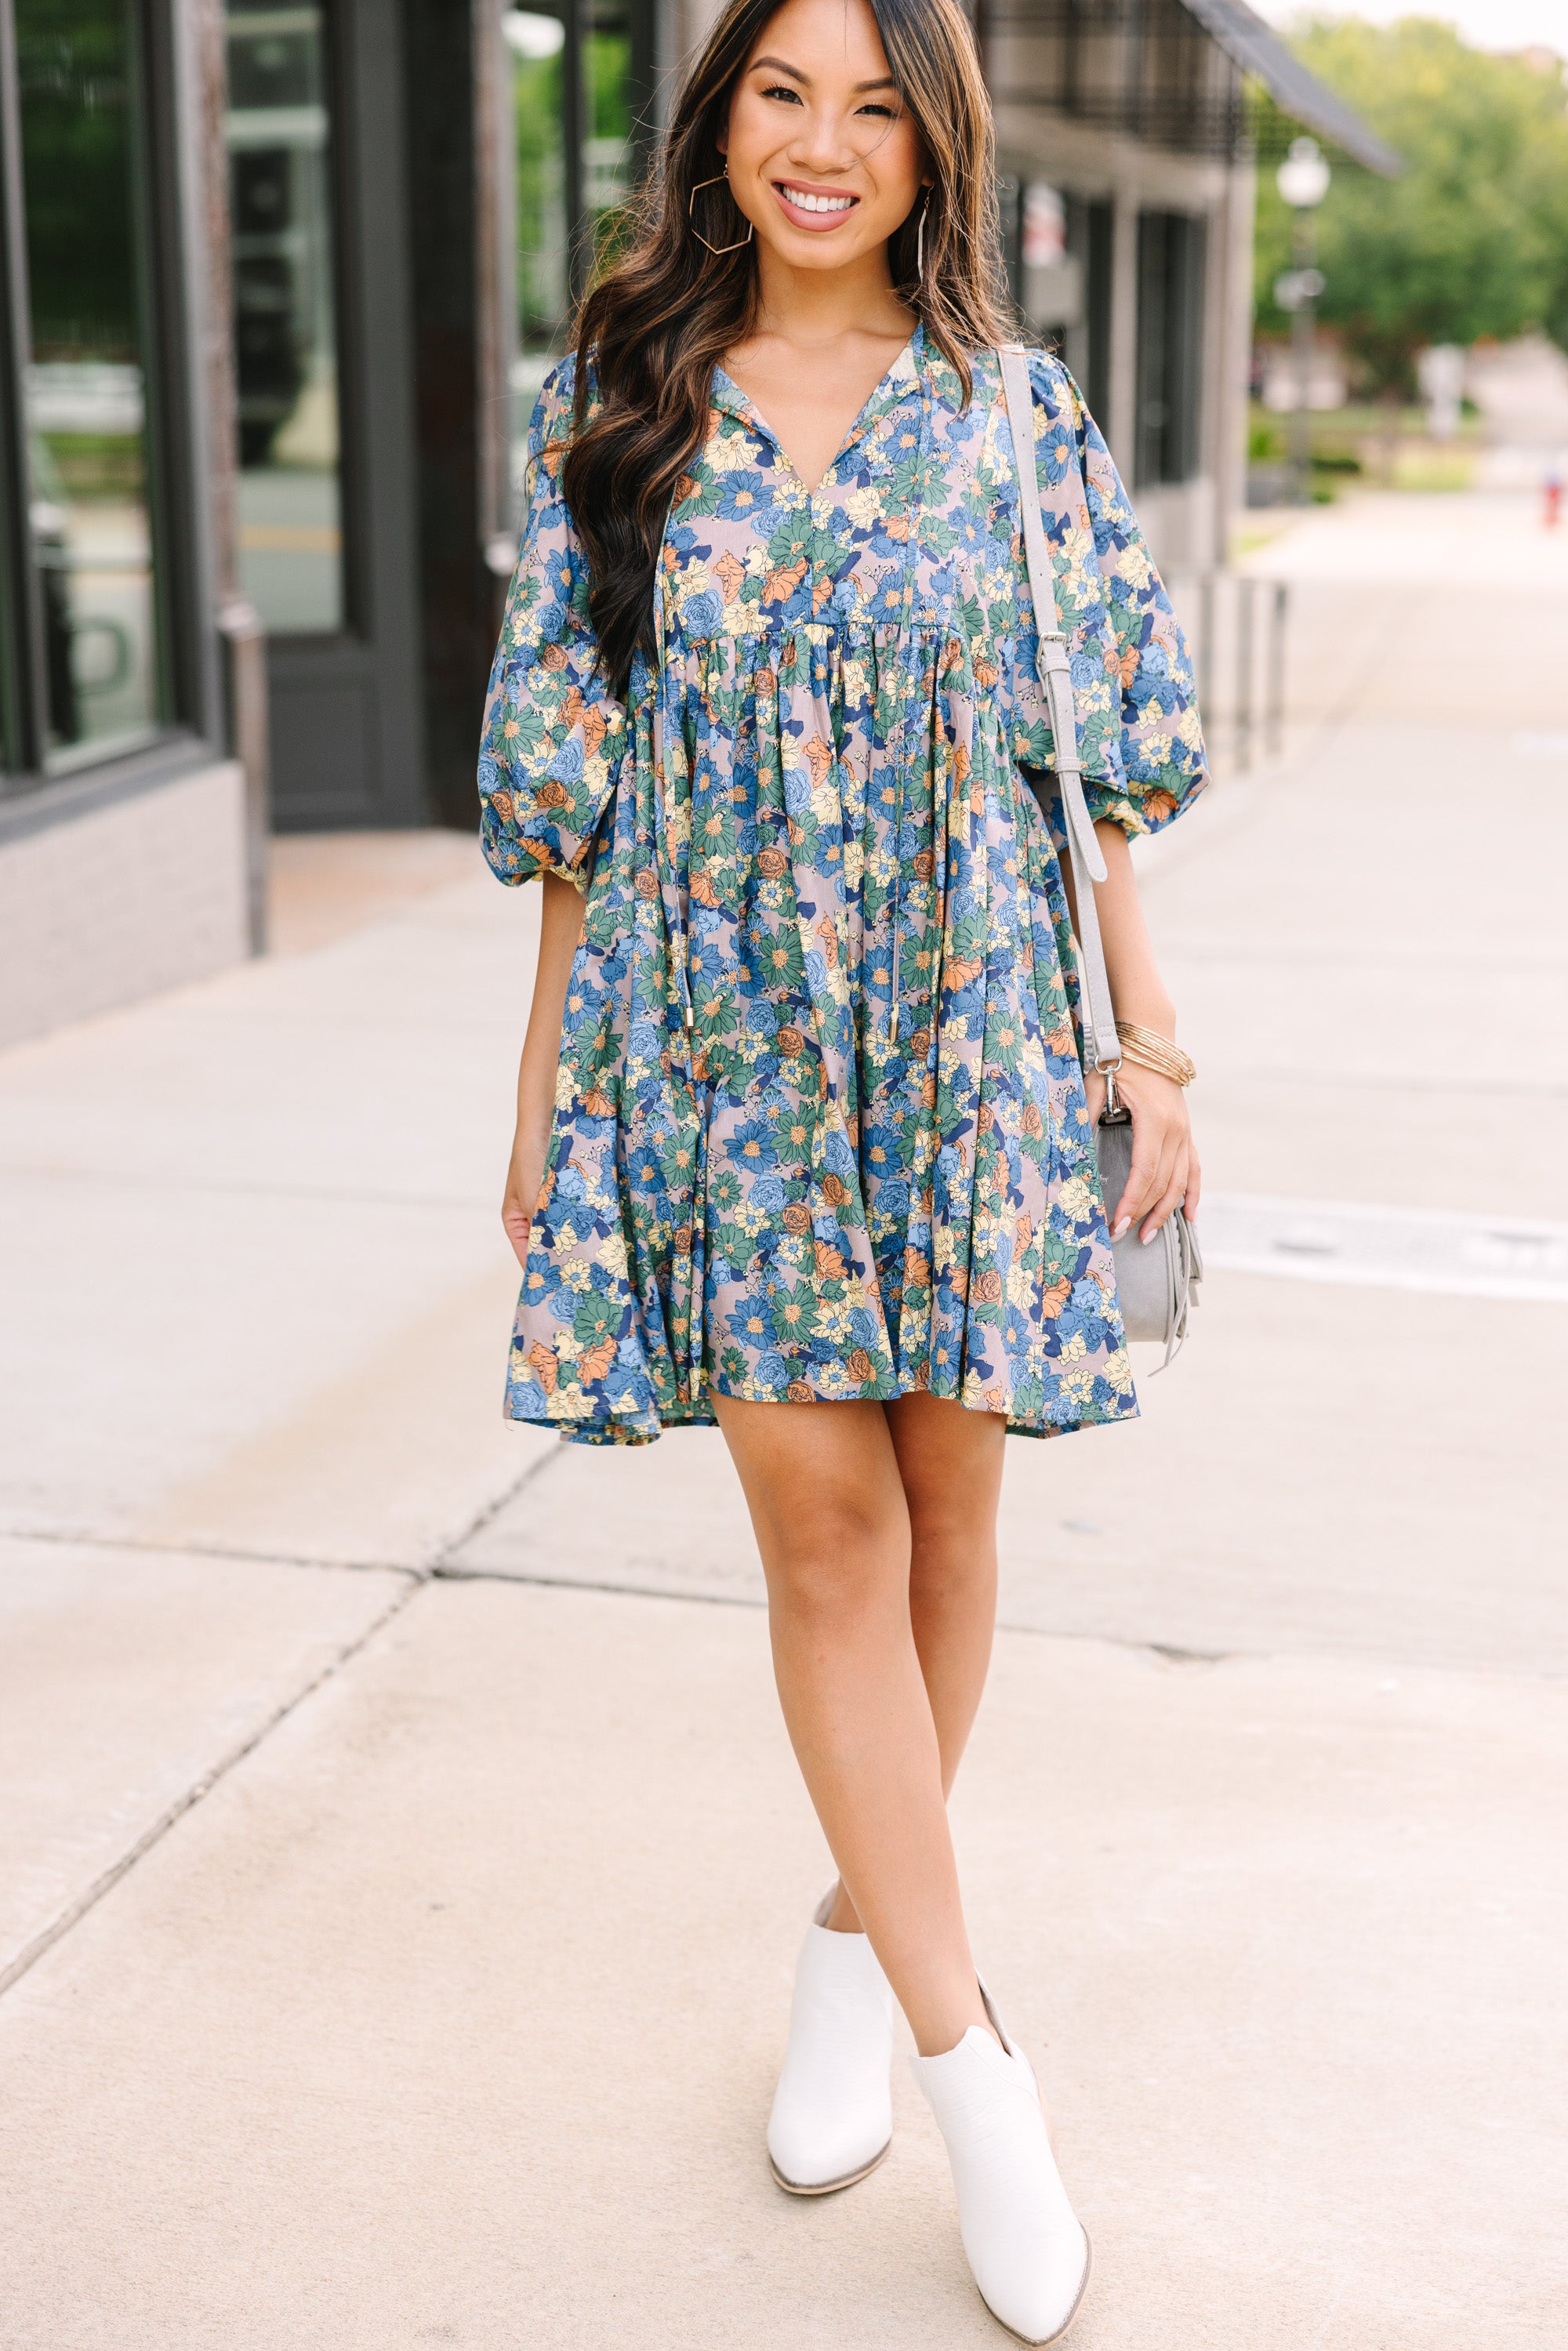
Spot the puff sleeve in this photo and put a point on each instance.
(554, 736)
(1140, 737)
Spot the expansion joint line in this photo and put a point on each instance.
(444, 1564)
(447, 1560)
(91, 1896)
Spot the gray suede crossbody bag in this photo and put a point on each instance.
(1155, 1284)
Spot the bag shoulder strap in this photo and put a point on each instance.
(1101, 1049)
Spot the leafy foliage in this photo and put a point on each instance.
(73, 73)
(1473, 240)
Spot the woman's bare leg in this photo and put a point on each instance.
(828, 1504)
(950, 1466)
(950, 1462)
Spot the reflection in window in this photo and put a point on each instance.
(570, 192)
(291, 560)
(86, 432)
(607, 166)
(536, 44)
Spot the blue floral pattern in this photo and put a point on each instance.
(820, 1126)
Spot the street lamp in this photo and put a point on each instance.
(1302, 180)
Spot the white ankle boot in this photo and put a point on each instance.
(1028, 2255)
(832, 2111)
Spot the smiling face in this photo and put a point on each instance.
(823, 157)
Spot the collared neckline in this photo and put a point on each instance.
(901, 380)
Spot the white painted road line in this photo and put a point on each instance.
(1454, 1255)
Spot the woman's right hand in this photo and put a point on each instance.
(525, 1180)
(561, 916)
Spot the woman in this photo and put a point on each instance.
(803, 1144)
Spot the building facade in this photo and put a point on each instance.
(278, 281)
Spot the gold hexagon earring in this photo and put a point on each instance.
(692, 216)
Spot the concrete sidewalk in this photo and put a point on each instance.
(402, 1859)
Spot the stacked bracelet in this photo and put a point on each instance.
(1156, 1052)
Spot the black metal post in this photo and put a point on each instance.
(1274, 724)
(1304, 248)
(244, 641)
(1244, 587)
(1205, 639)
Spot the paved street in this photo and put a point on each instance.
(401, 1862)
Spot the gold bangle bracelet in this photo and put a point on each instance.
(1156, 1052)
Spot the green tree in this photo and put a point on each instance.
(73, 72)
(1473, 240)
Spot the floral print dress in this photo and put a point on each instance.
(820, 1123)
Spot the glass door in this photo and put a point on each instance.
(319, 203)
(281, 208)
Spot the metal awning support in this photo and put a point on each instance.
(1173, 72)
(1251, 44)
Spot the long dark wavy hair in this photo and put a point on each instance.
(663, 313)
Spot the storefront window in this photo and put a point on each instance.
(279, 140)
(571, 189)
(607, 160)
(536, 44)
(86, 388)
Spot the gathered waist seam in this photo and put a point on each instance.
(826, 632)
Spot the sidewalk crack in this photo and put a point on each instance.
(91, 1896)
(445, 1561)
(193, 1547)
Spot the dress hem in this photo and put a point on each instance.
(634, 1428)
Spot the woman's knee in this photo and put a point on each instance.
(952, 1554)
(839, 1557)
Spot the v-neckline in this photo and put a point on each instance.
(905, 366)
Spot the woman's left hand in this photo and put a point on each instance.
(1165, 1172)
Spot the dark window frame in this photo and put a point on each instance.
(340, 31)
(1010, 189)
(1090, 238)
(345, 154)
(24, 683)
(351, 359)
(1172, 303)
(166, 179)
